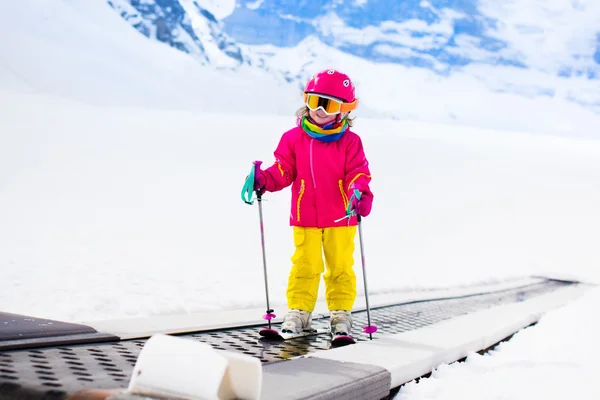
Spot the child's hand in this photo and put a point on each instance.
(260, 181)
(363, 206)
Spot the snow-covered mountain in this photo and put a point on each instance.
(556, 36)
(531, 48)
(184, 25)
(171, 54)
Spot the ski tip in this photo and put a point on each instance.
(342, 340)
(269, 333)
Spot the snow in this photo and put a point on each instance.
(549, 36)
(202, 29)
(122, 67)
(475, 96)
(122, 162)
(221, 9)
(555, 359)
(401, 33)
(255, 6)
(117, 212)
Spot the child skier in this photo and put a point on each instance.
(324, 162)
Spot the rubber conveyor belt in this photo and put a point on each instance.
(54, 372)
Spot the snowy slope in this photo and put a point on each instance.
(86, 52)
(117, 212)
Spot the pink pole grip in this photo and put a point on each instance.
(269, 316)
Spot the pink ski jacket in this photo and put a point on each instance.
(321, 175)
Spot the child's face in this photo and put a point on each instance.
(320, 117)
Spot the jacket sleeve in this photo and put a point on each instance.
(357, 169)
(283, 172)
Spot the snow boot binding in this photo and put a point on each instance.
(297, 321)
(341, 323)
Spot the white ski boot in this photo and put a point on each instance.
(341, 323)
(297, 321)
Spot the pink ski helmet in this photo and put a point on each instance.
(331, 82)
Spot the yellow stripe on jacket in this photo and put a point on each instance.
(356, 177)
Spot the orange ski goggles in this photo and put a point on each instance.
(329, 105)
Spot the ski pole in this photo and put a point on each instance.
(269, 315)
(370, 329)
(247, 192)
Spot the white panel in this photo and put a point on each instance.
(409, 355)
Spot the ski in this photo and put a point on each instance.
(342, 340)
(274, 334)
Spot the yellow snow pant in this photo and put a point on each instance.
(337, 244)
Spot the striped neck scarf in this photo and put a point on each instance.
(328, 133)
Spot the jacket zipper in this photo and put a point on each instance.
(312, 171)
(300, 194)
(312, 174)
